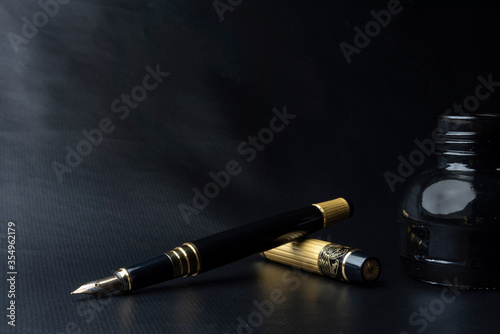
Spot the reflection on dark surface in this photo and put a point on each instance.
(314, 293)
(447, 196)
(430, 309)
(126, 312)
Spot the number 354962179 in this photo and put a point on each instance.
(11, 248)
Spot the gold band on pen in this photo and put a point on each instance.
(185, 259)
(125, 279)
(344, 262)
(176, 263)
(334, 211)
(195, 252)
(188, 266)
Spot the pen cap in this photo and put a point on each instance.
(324, 258)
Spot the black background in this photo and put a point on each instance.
(120, 204)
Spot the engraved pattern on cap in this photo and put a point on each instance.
(330, 261)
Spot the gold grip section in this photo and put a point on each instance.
(317, 256)
(334, 211)
(185, 259)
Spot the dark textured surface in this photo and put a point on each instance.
(120, 204)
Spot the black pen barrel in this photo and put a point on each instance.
(152, 271)
(234, 244)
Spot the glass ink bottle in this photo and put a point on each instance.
(449, 218)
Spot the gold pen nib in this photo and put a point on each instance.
(100, 287)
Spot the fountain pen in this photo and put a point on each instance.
(222, 248)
